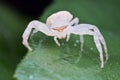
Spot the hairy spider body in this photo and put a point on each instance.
(61, 25)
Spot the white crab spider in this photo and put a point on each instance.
(61, 25)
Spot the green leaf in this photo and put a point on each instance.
(47, 61)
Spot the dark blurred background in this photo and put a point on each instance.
(30, 8)
(14, 17)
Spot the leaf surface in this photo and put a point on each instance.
(47, 61)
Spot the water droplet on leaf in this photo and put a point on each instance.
(75, 44)
(31, 77)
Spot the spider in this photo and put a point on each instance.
(60, 25)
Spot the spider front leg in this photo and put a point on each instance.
(87, 29)
(56, 41)
(37, 26)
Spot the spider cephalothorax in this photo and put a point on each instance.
(61, 25)
(59, 22)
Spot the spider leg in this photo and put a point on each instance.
(101, 39)
(38, 26)
(99, 47)
(68, 37)
(75, 21)
(87, 29)
(104, 45)
(80, 30)
(82, 43)
(56, 41)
